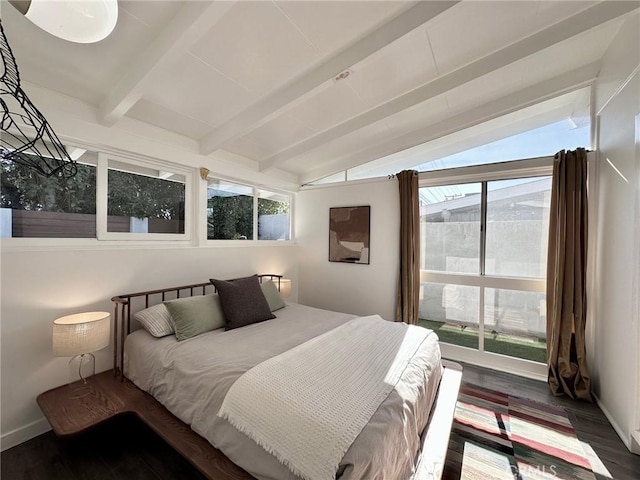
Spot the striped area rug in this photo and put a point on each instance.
(499, 437)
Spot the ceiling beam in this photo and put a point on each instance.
(193, 20)
(273, 103)
(537, 93)
(563, 30)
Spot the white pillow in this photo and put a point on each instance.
(156, 320)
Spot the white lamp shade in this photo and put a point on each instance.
(285, 287)
(80, 333)
(81, 21)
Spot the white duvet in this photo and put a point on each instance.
(306, 406)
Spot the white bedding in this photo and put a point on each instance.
(192, 377)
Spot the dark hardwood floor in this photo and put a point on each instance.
(123, 449)
(126, 449)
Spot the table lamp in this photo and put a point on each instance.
(285, 287)
(79, 335)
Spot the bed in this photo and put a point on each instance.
(405, 435)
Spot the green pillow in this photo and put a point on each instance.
(195, 315)
(272, 295)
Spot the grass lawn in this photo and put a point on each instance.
(505, 344)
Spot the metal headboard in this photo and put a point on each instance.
(122, 310)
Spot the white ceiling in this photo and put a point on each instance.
(257, 79)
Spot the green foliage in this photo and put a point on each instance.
(272, 207)
(230, 218)
(139, 196)
(24, 189)
(129, 195)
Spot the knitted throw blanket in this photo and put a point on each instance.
(307, 405)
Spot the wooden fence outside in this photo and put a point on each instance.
(40, 224)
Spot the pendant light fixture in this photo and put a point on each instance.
(80, 21)
(26, 137)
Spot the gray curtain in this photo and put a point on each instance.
(408, 296)
(566, 277)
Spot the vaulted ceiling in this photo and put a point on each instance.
(315, 87)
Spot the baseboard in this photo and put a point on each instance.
(22, 434)
(625, 439)
(635, 442)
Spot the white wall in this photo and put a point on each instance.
(615, 365)
(353, 288)
(39, 286)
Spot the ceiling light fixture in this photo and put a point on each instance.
(42, 151)
(342, 76)
(80, 21)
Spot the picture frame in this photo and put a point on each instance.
(349, 234)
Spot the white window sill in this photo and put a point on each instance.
(44, 244)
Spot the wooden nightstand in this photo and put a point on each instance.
(76, 407)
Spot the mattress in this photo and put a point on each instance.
(191, 378)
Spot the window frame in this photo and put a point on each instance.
(19, 243)
(102, 177)
(104, 239)
(534, 167)
(195, 206)
(255, 189)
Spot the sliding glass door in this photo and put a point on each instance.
(483, 263)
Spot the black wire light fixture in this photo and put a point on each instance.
(41, 151)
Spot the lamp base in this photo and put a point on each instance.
(82, 356)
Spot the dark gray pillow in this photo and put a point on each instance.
(242, 301)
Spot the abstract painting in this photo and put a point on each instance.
(349, 234)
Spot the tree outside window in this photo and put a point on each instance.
(230, 209)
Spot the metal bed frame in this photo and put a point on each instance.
(122, 310)
(210, 461)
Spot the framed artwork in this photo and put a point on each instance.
(349, 234)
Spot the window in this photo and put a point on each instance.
(450, 223)
(539, 130)
(229, 211)
(483, 250)
(518, 210)
(133, 198)
(109, 199)
(144, 200)
(449, 309)
(241, 212)
(273, 216)
(32, 205)
(538, 142)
